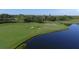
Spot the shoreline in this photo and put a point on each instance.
(23, 43)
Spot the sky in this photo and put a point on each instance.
(41, 11)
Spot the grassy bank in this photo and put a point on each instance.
(69, 22)
(12, 34)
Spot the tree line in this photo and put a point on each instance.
(7, 18)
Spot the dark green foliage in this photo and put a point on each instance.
(39, 19)
(6, 18)
(28, 18)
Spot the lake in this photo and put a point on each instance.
(67, 39)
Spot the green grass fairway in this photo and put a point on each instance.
(12, 34)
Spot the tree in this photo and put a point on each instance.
(28, 18)
(20, 18)
(5, 18)
(39, 19)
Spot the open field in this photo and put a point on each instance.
(12, 34)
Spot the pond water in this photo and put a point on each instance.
(68, 39)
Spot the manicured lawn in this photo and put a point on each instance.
(12, 34)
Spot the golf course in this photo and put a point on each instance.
(13, 34)
(16, 30)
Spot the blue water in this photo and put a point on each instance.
(68, 39)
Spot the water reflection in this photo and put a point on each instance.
(58, 40)
(74, 27)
